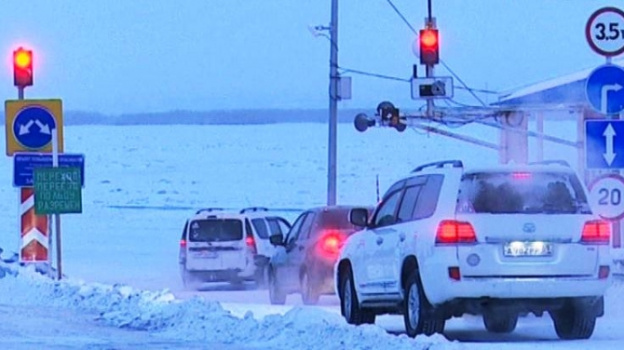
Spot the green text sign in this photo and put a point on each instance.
(57, 190)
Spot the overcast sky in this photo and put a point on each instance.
(159, 55)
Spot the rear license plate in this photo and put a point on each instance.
(207, 255)
(520, 249)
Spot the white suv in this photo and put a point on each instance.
(498, 242)
(218, 245)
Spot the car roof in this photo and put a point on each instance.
(219, 213)
(521, 168)
(329, 208)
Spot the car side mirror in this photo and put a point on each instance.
(277, 239)
(359, 217)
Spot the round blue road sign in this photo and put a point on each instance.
(605, 89)
(33, 127)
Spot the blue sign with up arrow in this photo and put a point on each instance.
(33, 127)
(604, 144)
(605, 89)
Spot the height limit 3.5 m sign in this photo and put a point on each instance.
(605, 31)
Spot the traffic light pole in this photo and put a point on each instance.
(333, 105)
(430, 24)
(20, 93)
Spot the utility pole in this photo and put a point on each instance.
(333, 105)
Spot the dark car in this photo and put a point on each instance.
(304, 259)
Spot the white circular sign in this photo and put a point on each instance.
(606, 196)
(605, 31)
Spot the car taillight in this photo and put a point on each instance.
(330, 244)
(182, 243)
(251, 244)
(455, 232)
(596, 232)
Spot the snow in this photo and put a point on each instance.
(120, 255)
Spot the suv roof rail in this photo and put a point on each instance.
(550, 162)
(244, 210)
(208, 210)
(456, 164)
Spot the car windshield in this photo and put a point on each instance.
(216, 230)
(521, 193)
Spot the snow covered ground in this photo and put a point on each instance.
(143, 181)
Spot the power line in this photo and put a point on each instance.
(401, 15)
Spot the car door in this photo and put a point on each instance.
(382, 234)
(298, 250)
(279, 261)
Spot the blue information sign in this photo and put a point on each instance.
(25, 163)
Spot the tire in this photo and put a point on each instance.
(189, 280)
(500, 323)
(309, 294)
(276, 295)
(574, 321)
(349, 304)
(262, 277)
(418, 314)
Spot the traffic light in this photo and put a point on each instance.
(22, 67)
(429, 46)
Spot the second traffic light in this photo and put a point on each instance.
(429, 47)
(22, 67)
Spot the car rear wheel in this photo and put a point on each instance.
(574, 321)
(349, 304)
(189, 280)
(418, 314)
(276, 295)
(500, 322)
(309, 294)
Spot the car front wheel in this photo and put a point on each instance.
(349, 304)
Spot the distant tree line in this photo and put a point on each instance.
(250, 116)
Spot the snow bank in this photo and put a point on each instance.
(197, 319)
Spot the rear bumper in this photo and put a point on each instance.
(231, 275)
(445, 289)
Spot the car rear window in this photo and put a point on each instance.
(337, 219)
(216, 230)
(521, 193)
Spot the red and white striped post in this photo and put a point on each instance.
(34, 230)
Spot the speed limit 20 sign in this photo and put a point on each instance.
(605, 31)
(606, 196)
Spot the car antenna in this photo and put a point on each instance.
(377, 186)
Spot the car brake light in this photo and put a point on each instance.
(251, 244)
(596, 232)
(330, 244)
(455, 232)
(183, 243)
(521, 176)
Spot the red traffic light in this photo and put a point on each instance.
(429, 46)
(22, 67)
